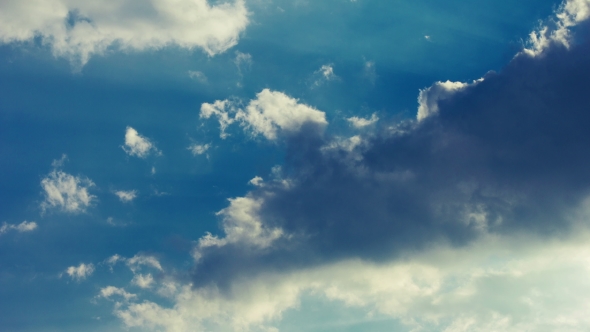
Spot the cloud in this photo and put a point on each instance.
(500, 155)
(143, 281)
(126, 196)
(270, 113)
(243, 61)
(241, 225)
(324, 74)
(221, 110)
(136, 262)
(357, 122)
(78, 29)
(197, 75)
(25, 226)
(199, 149)
(557, 30)
(508, 283)
(429, 98)
(66, 192)
(109, 291)
(81, 271)
(137, 145)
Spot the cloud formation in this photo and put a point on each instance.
(137, 145)
(66, 192)
(25, 226)
(500, 155)
(81, 271)
(358, 122)
(512, 283)
(126, 196)
(271, 113)
(78, 29)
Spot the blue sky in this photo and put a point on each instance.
(266, 165)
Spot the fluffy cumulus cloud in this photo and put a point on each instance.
(242, 226)
(66, 192)
(271, 113)
(138, 145)
(78, 29)
(81, 271)
(25, 226)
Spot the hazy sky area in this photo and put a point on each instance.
(272, 165)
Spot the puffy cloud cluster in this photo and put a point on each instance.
(78, 29)
(67, 192)
(271, 113)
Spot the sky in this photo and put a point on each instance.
(273, 165)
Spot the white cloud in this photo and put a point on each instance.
(357, 122)
(109, 291)
(126, 196)
(81, 271)
(143, 281)
(272, 111)
(67, 192)
(78, 29)
(557, 30)
(221, 110)
(197, 75)
(266, 115)
(137, 145)
(199, 149)
(257, 181)
(24, 226)
(511, 284)
(324, 74)
(241, 225)
(134, 263)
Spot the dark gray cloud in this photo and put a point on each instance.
(509, 154)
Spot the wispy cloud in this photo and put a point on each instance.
(80, 272)
(126, 196)
(25, 226)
